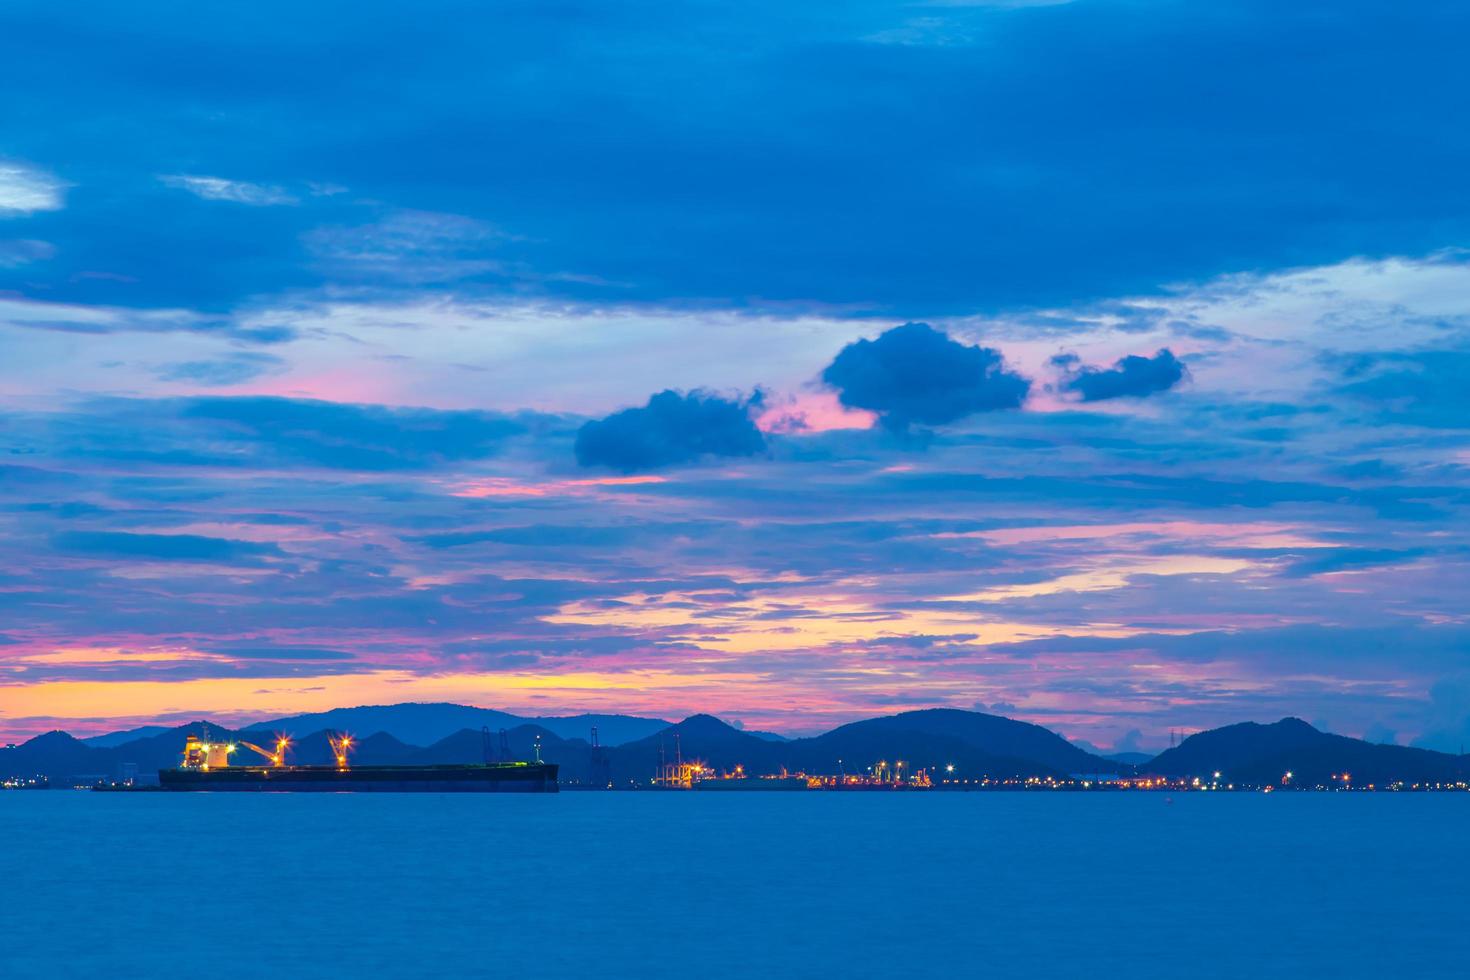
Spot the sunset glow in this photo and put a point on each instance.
(795, 368)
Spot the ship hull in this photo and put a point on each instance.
(528, 778)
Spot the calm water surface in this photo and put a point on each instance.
(733, 885)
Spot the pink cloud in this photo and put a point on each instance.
(812, 411)
(510, 487)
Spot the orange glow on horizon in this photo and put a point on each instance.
(101, 699)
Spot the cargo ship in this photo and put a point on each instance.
(207, 767)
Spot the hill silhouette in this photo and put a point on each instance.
(469, 746)
(123, 737)
(423, 724)
(975, 744)
(701, 737)
(991, 736)
(1255, 753)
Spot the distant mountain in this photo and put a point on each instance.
(1130, 758)
(1254, 753)
(415, 724)
(425, 724)
(59, 756)
(701, 737)
(469, 745)
(378, 749)
(52, 754)
(611, 729)
(120, 738)
(855, 750)
(991, 735)
(975, 744)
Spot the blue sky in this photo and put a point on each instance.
(1100, 363)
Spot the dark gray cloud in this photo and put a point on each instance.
(412, 247)
(223, 371)
(1129, 377)
(1449, 714)
(1353, 651)
(238, 433)
(996, 210)
(564, 536)
(162, 547)
(279, 652)
(363, 437)
(672, 428)
(916, 374)
(1325, 561)
(272, 334)
(1430, 388)
(38, 315)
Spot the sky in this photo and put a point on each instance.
(1104, 363)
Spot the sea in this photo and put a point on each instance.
(715, 885)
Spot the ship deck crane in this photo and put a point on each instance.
(278, 757)
(341, 745)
